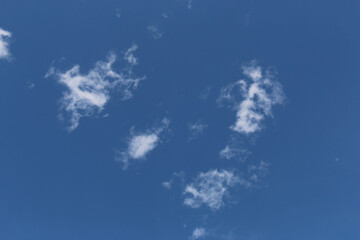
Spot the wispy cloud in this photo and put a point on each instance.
(259, 93)
(154, 32)
(189, 4)
(87, 94)
(165, 15)
(210, 188)
(176, 175)
(235, 149)
(4, 44)
(204, 94)
(196, 129)
(198, 233)
(231, 152)
(257, 172)
(130, 57)
(141, 144)
(118, 12)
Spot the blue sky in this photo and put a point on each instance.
(176, 119)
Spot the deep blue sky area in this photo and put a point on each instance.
(126, 171)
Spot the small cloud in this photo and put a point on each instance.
(4, 44)
(257, 172)
(140, 145)
(198, 233)
(227, 153)
(118, 13)
(210, 188)
(196, 129)
(204, 94)
(258, 95)
(189, 4)
(154, 32)
(165, 15)
(167, 184)
(31, 85)
(176, 175)
(87, 94)
(129, 55)
(235, 150)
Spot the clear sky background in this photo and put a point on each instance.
(233, 120)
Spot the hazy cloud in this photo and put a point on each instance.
(175, 176)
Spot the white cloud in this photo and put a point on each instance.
(259, 94)
(196, 129)
(4, 44)
(155, 32)
(87, 94)
(198, 233)
(129, 55)
(140, 145)
(210, 188)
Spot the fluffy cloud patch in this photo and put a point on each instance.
(198, 233)
(87, 94)
(210, 188)
(259, 93)
(141, 144)
(4, 44)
